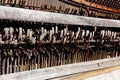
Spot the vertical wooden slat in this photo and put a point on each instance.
(8, 60)
(18, 64)
(15, 65)
(26, 2)
(38, 65)
(3, 67)
(17, 2)
(0, 62)
(10, 66)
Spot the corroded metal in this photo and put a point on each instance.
(97, 6)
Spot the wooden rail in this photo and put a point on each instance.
(40, 16)
(95, 74)
(57, 71)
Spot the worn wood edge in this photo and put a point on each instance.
(13, 13)
(57, 71)
(90, 73)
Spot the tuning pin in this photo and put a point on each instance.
(37, 31)
(42, 30)
(41, 37)
(11, 30)
(65, 31)
(87, 32)
(78, 32)
(73, 33)
(23, 30)
(53, 30)
(115, 34)
(103, 33)
(106, 33)
(91, 35)
(83, 33)
(6, 30)
(28, 32)
(56, 29)
(1, 42)
(16, 30)
(45, 31)
(112, 33)
(95, 28)
(20, 32)
(65, 39)
(61, 34)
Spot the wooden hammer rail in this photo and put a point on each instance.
(40, 16)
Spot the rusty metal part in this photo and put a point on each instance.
(97, 6)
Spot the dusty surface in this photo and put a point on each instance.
(40, 16)
(57, 71)
(111, 73)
